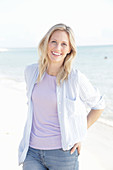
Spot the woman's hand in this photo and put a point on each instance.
(76, 146)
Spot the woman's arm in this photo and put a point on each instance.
(90, 96)
(93, 116)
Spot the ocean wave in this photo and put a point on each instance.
(13, 83)
(3, 49)
(105, 121)
(16, 78)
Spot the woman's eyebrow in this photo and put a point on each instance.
(56, 40)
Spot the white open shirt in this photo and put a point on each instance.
(73, 96)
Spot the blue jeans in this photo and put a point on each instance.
(56, 159)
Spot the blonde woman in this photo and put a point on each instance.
(57, 97)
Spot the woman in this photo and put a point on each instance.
(57, 97)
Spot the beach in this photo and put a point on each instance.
(97, 149)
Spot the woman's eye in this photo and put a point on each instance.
(64, 44)
(53, 41)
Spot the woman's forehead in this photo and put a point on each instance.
(60, 35)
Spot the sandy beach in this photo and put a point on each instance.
(96, 152)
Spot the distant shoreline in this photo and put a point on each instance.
(101, 45)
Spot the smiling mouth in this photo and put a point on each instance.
(56, 54)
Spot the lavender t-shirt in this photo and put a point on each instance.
(45, 133)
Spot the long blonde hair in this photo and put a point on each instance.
(43, 58)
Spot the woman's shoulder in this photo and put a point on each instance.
(30, 69)
(77, 75)
(75, 72)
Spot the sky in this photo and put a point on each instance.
(24, 22)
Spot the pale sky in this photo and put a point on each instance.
(24, 22)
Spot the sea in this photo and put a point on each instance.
(96, 62)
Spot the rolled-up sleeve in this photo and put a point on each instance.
(89, 94)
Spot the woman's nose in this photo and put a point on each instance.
(58, 47)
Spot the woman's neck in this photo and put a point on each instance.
(53, 69)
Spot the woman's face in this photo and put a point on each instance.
(58, 47)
